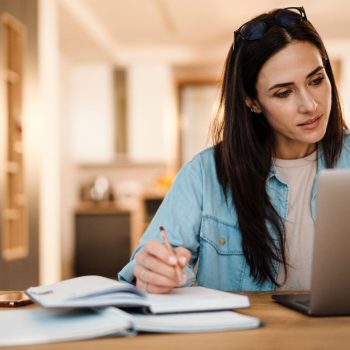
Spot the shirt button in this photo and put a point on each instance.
(222, 241)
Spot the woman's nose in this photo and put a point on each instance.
(307, 102)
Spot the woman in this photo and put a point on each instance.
(243, 211)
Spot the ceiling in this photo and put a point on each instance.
(179, 31)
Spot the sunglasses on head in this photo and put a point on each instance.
(286, 18)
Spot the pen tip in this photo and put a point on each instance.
(161, 228)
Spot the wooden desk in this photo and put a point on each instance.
(283, 329)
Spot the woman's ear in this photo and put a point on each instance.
(253, 105)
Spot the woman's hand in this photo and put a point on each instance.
(159, 270)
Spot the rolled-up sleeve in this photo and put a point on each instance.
(180, 213)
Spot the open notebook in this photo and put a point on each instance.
(96, 291)
(38, 326)
(86, 307)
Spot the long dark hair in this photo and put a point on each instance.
(244, 144)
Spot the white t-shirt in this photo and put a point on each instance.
(299, 175)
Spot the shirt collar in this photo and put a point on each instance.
(272, 172)
(321, 164)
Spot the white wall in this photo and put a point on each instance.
(151, 113)
(69, 190)
(197, 110)
(51, 165)
(92, 112)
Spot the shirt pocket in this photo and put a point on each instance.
(222, 264)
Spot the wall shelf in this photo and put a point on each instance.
(14, 216)
(12, 76)
(12, 167)
(11, 214)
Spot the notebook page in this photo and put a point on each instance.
(83, 291)
(194, 322)
(195, 299)
(39, 326)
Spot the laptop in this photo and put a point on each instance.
(330, 279)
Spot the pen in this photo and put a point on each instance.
(170, 249)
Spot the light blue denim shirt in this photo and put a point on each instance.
(196, 216)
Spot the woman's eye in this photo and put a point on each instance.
(317, 81)
(283, 94)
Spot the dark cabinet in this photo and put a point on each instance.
(102, 241)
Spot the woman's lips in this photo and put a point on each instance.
(311, 123)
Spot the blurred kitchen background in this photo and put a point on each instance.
(101, 102)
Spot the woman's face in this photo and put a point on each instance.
(294, 94)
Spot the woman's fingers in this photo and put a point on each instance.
(153, 278)
(158, 250)
(183, 255)
(152, 288)
(159, 270)
(154, 271)
(152, 263)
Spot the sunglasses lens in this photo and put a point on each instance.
(288, 18)
(253, 30)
